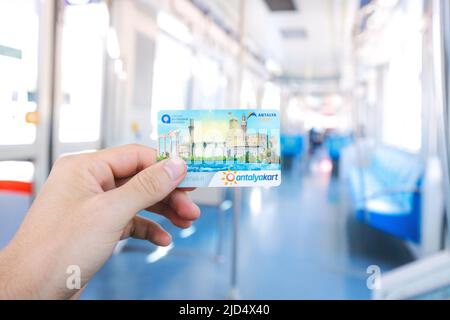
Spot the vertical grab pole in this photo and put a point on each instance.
(46, 80)
(224, 206)
(440, 89)
(237, 192)
(234, 291)
(220, 228)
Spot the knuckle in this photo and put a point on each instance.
(135, 145)
(138, 146)
(148, 233)
(64, 161)
(71, 162)
(61, 160)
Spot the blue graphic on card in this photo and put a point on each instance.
(223, 148)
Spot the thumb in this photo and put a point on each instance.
(149, 186)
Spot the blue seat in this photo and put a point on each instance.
(335, 143)
(292, 145)
(386, 195)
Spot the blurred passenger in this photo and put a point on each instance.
(315, 140)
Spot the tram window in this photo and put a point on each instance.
(83, 49)
(402, 107)
(272, 96)
(143, 71)
(249, 97)
(209, 83)
(402, 111)
(20, 171)
(172, 76)
(293, 116)
(19, 36)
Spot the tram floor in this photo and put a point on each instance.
(297, 241)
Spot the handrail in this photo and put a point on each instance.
(416, 279)
(16, 186)
(386, 192)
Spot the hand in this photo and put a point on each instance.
(87, 205)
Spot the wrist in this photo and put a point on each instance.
(7, 280)
(16, 281)
(4, 277)
(28, 274)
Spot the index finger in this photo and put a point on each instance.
(126, 161)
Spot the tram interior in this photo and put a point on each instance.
(362, 89)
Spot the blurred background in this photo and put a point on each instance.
(363, 91)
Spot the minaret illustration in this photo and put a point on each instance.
(244, 131)
(191, 139)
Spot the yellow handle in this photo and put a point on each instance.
(32, 117)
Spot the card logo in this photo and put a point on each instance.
(229, 177)
(267, 115)
(232, 177)
(263, 116)
(165, 118)
(251, 114)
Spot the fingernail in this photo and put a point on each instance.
(175, 167)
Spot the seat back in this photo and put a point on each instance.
(335, 143)
(292, 145)
(397, 169)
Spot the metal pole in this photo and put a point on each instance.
(46, 80)
(234, 294)
(224, 206)
(234, 291)
(220, 224)
(440, 87)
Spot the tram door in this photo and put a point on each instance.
(131, 93)
(80, 58)
(24, 108)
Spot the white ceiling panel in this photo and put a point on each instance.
(320, 33)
